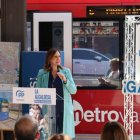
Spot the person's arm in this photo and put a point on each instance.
(102, 80)
(114, 80)
(116, 83)
(70, 85)
(39, 79)
(68, 81)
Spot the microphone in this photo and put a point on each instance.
(59, 97)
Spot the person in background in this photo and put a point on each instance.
(60, 137)
(55, 76)
(36, 112)
(113, 131)
(26, 128)
(113, 79)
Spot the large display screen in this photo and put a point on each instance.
(112, 11)
(95, 44)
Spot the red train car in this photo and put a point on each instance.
(97, 26)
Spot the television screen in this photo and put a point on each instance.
(95, 45)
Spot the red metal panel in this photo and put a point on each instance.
(32, 1)
(53, 1)
(130, 2)
(102, 2)
(78, 10)
(137, 1)
(93, 108)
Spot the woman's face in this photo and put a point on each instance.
(56, 59)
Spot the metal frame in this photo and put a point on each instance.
(130, 69)
(66, 18)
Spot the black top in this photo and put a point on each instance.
(57, 83)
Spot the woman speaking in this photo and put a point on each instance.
(55, 76)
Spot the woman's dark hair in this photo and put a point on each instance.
(59, 137)
(114, 131)
(49, 56)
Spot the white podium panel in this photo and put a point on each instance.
(42, 108)
(46, 96)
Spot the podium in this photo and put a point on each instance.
(51, 115)
(39, 98)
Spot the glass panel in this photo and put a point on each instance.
(57, 32)
(28, 43)
(50, 35)
(95, 43)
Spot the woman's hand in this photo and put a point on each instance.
(62, 77)
(101, 80)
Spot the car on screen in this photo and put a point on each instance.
(89, 62)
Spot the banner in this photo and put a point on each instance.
(46, 96)
(9, 77)
(96, 107)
